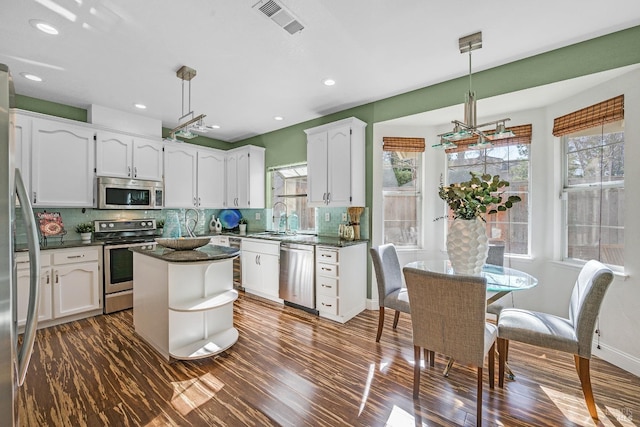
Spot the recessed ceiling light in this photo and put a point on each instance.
(45, 27)
(278, 118)
(329, 82)
(31, 77)
(140, 106)
(214, 126)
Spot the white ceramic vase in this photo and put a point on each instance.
(467, 245)
(85, 237)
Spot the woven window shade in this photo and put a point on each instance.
(599, 114)
(393, 143)
(522, 136)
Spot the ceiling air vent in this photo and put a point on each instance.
(278, 14)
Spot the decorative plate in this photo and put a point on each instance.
(229, 217)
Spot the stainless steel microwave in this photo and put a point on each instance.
(122, 193)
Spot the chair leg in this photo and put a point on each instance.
(395, 319)
(492, 363)
(479, 398)
(380, 323)
(416, 371)
(582, 366)
(432, 358)
(503, 348)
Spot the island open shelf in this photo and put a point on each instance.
(183, 300)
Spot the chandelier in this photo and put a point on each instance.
(189, 121)
(469, 128)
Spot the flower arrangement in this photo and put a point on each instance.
(85, 227)
(159, 223)
(242, 221)
(479, 196)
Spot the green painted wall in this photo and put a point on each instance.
(50, 108)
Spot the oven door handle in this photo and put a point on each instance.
(127, 245)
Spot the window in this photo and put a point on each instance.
(593, 189)
(401, 196)
(594, 194)
(289, 186)
(508, 158)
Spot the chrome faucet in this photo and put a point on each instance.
(286, 217)
(187, 221)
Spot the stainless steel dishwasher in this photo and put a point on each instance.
(298, 276)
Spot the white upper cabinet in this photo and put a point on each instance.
(21, 128)
(125, 156)
(245, 177)
(62, 164)
(336, 164)
(210, 179)
(180, 177)
(193, 177)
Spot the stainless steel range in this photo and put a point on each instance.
(118, 236)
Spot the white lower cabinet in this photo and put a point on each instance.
(261, 268)
(24, 275)
(341, 281)
(70, 284)
(184, 309)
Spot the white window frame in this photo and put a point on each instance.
(567, 189)
(418, 200)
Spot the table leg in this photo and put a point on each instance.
(448, 367)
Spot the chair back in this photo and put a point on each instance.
(495, 256)
(586, 298)
(387, 268)
(448, 314)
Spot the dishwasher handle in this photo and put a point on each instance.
(287, 247)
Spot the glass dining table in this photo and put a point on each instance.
(500, 282)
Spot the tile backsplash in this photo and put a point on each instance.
(74, 216)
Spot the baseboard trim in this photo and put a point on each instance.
(618, 358)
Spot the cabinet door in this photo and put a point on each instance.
(147, 159)
(260, 273)
(242, 179)
(113, 155)
(339, 166)
(44, 308)
(21, 128)
(317, 169)
(62, 167)
(211, 181)
(76, 289)
(180, 180)
(232, 180)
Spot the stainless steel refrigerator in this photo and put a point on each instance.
(14, 358)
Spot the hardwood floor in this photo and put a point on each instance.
(294, 369)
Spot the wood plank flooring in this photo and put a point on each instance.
(293, 369)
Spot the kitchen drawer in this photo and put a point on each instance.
(326, 255)
(22, 260)
(327, 304)
(261, 247)
(327, 286)
(73, 256)
(330, 270)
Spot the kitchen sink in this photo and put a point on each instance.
(284, 236)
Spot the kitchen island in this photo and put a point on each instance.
(183, 300)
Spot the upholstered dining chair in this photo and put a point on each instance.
(448, 317)
(496, 257)
(391, 293)
(571, 335)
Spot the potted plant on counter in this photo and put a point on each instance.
(159, 226)
(85, 229)
(242, 223)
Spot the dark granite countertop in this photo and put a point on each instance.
(307, 239)
(56, 244)
(205, 253)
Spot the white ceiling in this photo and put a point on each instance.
(115, 53)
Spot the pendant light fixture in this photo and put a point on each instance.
(469, 128)
(189, 121)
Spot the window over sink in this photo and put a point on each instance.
(288, 184)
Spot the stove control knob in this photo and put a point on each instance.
(142, 224)
(103, 225)
(111, 225)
